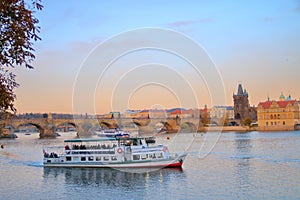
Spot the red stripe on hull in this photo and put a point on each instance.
(178, 164)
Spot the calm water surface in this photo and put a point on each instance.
(241, 166)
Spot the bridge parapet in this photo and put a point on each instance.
(48, 125)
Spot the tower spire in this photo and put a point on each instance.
(240, 90)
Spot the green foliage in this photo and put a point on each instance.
(18, 30)
(7, 97)
(247, 122)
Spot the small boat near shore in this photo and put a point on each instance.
(113, 133)
(137, 152)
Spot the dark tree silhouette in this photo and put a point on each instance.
(18, 31)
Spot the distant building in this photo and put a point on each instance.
(115, 114)
(278, 115)
(218, 112)
(242, 109)
(183, 113)
(157, 113)
(141, 114)
(205, 116)
(221, 115)
(110, 115)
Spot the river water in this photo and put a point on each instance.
(253, 165)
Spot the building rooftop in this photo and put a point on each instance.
(281, 104)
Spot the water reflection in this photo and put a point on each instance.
(109, 177)
(243, 157)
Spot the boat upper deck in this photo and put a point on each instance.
(80, 140)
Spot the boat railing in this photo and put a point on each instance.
(91, 151)
(90, 147)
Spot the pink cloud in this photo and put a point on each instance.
(189, 22)
(269, 19)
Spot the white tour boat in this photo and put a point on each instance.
(135, 152)
(112, 133)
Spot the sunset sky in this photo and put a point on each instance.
(256, 43)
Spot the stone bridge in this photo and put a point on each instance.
(48, 125)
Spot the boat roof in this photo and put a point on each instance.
(104, 139)
(91, 139)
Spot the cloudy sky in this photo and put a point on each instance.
(254, 42)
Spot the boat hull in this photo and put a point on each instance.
(166, 163)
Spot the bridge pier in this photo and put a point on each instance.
(47, 131)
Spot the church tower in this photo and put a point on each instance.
(241, 104)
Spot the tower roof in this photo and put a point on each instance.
(240, 90)
(281, 97)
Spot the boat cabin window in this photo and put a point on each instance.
(136, 157)
(134, 142)
(159, 155)
(68, 158)
(106, 158)
(83, 158)
(114, 158)
(152, 155)
(98, 158)
(75, 158)
(91, 158)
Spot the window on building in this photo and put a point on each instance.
(271, 116)
(275, 116)
(271, 123)
(275, 123)
(278, 116)
(267, 123)
(283, 122)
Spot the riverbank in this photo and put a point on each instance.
(226, 129)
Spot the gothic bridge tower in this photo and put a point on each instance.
(241, 104)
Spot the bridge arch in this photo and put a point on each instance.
(188, 127)
(38, 126)
(137, 124)
(168, 127)
(65, 124)
(108, 124)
